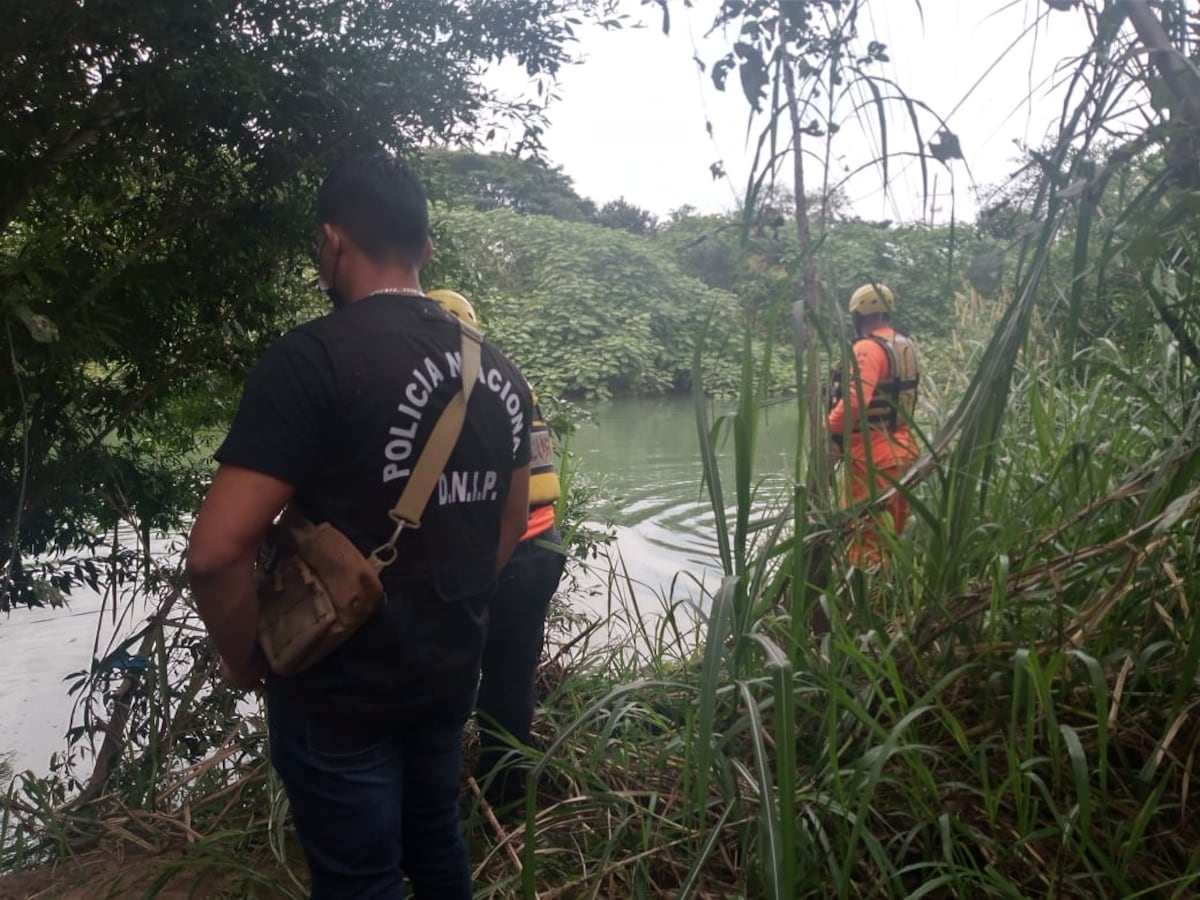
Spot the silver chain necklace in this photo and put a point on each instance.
(402, 291)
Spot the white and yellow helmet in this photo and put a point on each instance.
(456, 304)
(872, 298)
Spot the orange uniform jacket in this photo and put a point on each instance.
(886, 449)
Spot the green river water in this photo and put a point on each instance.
(644, 454)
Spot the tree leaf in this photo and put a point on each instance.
(945, 146)
(720, 71)
(753, 72)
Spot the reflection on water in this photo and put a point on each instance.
(40, 648)
(645, 453)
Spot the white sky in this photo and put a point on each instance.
(630, 120)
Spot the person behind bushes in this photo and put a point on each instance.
(870, 419)
(517, 623)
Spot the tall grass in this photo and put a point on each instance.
(1030, 734)
(1008, 709)
(176, 759)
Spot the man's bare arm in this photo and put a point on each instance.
(515, 518)
(233, 520)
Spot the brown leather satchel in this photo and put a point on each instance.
(315, 588)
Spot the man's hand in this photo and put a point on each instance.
(248, 677)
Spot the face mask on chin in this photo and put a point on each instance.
(336, 297)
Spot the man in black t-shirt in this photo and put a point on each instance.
(368, 742)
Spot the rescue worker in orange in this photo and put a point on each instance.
(871, 417)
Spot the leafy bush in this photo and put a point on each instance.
(586, 311)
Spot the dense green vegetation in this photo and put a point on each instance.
(586, 310)
(1007, 710)
(158, 165)
(110, 413)
(592, 309)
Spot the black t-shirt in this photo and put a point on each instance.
(341, 408)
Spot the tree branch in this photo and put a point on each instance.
(1176, 72)
(802, 309)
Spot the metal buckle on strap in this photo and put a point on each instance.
(385, 554)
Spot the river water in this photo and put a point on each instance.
(641, 453)
(644, 456)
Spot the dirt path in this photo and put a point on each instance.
(112, 877)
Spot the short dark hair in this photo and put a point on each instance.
(380, 202)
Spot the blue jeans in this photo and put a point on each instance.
(373, 803)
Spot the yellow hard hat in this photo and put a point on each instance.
(456, 304)
(872, 298)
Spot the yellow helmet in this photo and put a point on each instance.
(456, 304)
(872, 298)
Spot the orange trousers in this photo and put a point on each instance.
(866, 544)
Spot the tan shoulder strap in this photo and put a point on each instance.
(436, 452)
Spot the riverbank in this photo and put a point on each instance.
(918, 759)
(103, 875)
(902, 756)
(1008, 709)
